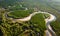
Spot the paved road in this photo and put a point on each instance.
(49, 31)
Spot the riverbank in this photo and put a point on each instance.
(48, 20)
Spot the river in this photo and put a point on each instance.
(49, 31)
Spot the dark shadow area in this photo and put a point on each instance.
(1, 33)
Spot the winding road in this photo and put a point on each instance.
(49, 31)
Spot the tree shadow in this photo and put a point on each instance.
(1, 33)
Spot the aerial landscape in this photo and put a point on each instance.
(29, 17)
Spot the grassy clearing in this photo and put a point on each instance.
(20, 13)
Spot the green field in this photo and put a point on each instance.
(20, 13)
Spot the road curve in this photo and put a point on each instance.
(49, 31)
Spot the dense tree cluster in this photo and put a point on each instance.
(34, 27)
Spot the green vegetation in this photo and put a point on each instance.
(6, 3)
(20, 13)
(38, 23)
(28, 28)
(46, 15)
(56, 25)
(55, 5)
(42, 5)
